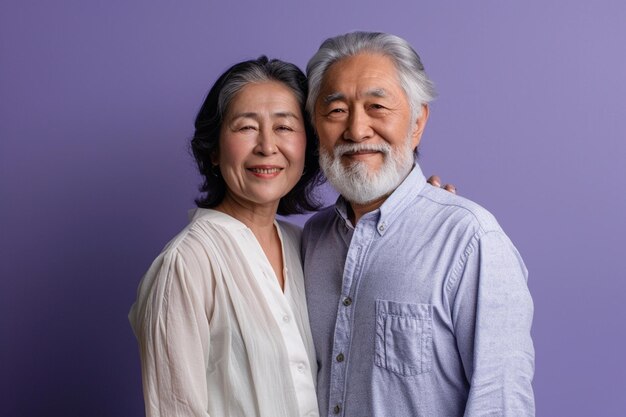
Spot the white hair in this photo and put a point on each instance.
(418, 88)
(357, 183)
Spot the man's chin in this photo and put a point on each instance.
(366, 201)
(364, 170)
(361, 191)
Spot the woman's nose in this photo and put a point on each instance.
(266, 144)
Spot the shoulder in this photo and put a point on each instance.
(321, 219)
(206, 228)
(194, 249)
(168, 270)
(454, 209)
(319, 228)
(290, 231)
(187, 260)
(475, 230)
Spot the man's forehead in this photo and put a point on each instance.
(374, 73)
(376, 92)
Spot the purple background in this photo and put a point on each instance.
(97, 101)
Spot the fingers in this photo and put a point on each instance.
(434, 180)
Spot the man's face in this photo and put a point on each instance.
(366, 132)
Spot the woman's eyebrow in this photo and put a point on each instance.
(286, 114)
(245, 115)
(253, 115)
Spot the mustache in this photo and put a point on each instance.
(345, 148)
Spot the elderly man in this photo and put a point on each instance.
(418, 300)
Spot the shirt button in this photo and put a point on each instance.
(381, 227)
(340, 357)
(337, 409)
(301, 368)
(347, 301)
(286, 318)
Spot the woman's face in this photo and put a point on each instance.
(262, 144)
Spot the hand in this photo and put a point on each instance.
(435, 181)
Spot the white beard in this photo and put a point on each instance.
(357, 183)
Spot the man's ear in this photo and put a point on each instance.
(420, 125)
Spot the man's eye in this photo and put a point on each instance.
(377, 107)
(245, 128)
(336, 111)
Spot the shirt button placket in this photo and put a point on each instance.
(342, 335)
(340, 357)
(301, 368)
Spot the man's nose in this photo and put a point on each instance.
(358, 128)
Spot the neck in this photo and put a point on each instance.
(260, 219)
(356, 211)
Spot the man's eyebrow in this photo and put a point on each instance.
(333, 97)
(376, 92)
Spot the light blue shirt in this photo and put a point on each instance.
(422, 309)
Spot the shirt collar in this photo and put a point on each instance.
(386, 214)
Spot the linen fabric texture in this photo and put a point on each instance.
(217, 335)
(422, 309)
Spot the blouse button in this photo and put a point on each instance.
(347, 301)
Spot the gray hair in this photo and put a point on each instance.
(272, 70)
(209, 121)
(411, 75)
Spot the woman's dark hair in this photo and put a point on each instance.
(209, 123)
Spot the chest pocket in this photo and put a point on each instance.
(404, 337)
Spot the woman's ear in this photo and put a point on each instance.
(215, 157)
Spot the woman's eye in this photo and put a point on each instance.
(246, 128)
(285, 128)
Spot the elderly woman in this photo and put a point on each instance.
(221, 316)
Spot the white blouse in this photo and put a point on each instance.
(217, 335)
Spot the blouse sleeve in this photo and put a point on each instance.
(172, 328)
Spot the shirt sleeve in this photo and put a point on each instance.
(493, 313)
(173, 335)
